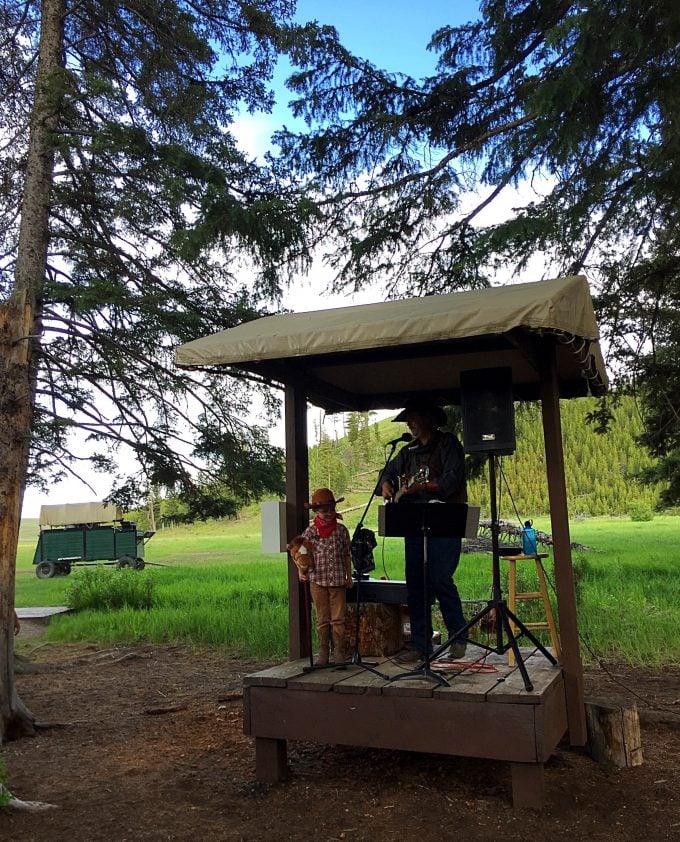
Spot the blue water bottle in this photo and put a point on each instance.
(529, 538)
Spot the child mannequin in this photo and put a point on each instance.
(330, 575)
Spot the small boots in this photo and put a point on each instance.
(324, 634)
(339, 646)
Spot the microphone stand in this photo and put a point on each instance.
(497, 606)
(356, 659)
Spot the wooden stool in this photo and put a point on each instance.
(541, 593)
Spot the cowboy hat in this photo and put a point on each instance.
(323, 497)
(420, 406)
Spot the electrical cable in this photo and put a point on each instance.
(598, 660)
(382, 559)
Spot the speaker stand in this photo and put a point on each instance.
(497, 604)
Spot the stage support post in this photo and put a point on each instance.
(297, 517)
(564, 574)
(271, 765)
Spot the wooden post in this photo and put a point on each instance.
(564, 574)
(527, 785)
(270, 760)
(297, 518)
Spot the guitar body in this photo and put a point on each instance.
(421, 476)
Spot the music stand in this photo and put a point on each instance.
(431, 520)
(497, 604)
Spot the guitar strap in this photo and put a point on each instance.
(432, 459)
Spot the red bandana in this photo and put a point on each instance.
(325, 527)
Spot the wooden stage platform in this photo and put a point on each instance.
(483, 712)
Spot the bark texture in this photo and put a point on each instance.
(19, 345)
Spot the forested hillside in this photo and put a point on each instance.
(600, 469)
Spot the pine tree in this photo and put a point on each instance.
(125, 211)
(154, 214)
(568, 111)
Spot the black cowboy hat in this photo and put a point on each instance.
(420, 406)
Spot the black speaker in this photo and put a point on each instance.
(488, 410)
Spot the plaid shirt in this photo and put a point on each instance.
(332, 556)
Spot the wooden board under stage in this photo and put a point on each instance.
(487, 714)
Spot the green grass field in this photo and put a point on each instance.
(212, 585)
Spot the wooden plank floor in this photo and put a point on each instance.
(483, 710)
(480, 676)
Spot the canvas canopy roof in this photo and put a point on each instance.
(68, 514)
(375, 355)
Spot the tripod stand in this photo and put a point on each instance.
(497, 604)
(425, 670)
(356, 660)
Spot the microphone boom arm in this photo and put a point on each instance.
(393, 445)
(395, 442)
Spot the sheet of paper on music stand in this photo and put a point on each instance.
(472, 522)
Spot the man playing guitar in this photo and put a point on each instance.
(432, 467)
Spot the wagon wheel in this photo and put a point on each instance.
(126, 561)
(139, 563)
(45, 570)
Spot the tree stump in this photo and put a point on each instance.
(380, 629)
(613, 732)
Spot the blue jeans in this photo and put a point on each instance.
(443, 555)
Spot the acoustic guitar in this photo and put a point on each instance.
(422, 475)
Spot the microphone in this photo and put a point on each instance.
(402, 437)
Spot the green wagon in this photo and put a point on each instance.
(83, 533)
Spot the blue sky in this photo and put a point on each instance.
(393, 34)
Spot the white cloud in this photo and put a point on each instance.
(253, 134)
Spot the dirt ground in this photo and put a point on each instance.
(146, 743)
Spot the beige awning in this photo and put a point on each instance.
(374, 355)
(69, 514)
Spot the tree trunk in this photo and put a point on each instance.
(20, 329)
(614, 732)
